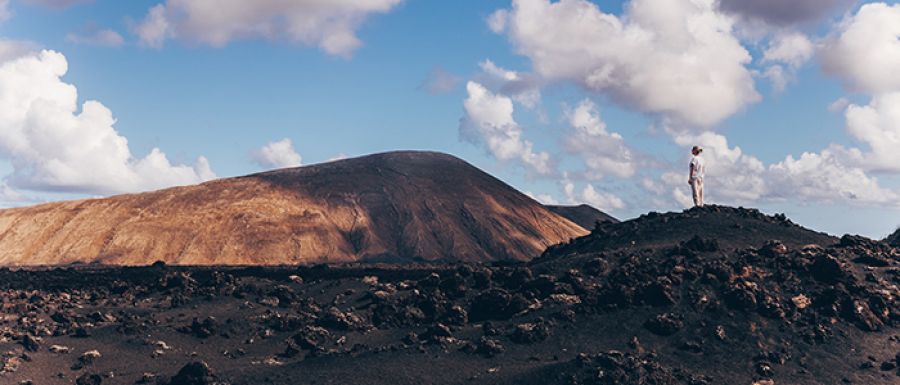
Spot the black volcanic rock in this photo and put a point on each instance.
(699, 229)
(194, 373)
(894, 239)
(690, 309)
(615, 367)
(583, 215)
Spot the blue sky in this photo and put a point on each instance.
(551, 97)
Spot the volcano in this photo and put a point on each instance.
(397, 206)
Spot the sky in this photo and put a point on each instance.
(796, 104)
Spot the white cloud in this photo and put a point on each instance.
(497, 21)
(731, 174)
(603, 153)
(793, 49)
(489, 120)
(523, 88)
(155, 28)
(778, 76)
(878, 126)
(825, 177)
(278, 154)
(331, 25)
(100, 37)
(54, 147)
(839, 105)
(677, 58)
(865, 51)
(602, 200)
(544, 199)
(440, 81)
(653, 186)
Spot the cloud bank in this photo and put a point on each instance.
(54, 146)
(330, 25)
(678, 59)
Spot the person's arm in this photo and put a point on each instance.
(692, 173)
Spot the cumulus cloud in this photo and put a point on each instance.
(786, 53)
(331, 25)
(489, 121)
(602, 200)
(732, 175)
(676, 58)
(440, 81)
(523, 88)
(278, 154)
(865, 51)
(783, 13)
(878, 126)
(497, 21)
(603, 153)
(96, 36)
(794, 49)
(53, 146)
(825, 177)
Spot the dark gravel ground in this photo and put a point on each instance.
(681, 308)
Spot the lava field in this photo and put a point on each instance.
(628, 304)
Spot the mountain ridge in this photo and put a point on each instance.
(404, 204)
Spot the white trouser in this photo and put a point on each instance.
(697, 187)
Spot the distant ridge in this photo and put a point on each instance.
(584, 215)
(397, 206)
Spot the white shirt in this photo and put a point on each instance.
(698, 166)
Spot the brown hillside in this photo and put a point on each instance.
(400, 205)
(584, 215)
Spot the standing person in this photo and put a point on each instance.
(698, 169)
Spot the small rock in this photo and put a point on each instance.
(31, 343)
(801, 301)
(665, 324)
(527, 333)
(194, 373)
(89, 379)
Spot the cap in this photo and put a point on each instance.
(697, 148)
